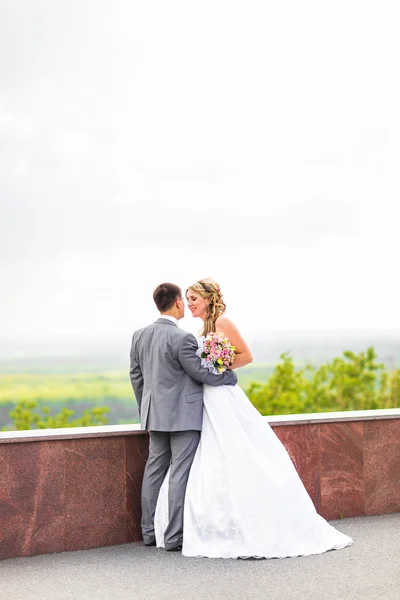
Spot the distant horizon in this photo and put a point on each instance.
(86, 347)
(110, 335)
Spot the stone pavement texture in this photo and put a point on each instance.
(368, 570)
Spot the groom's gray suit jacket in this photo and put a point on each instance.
(167, 378)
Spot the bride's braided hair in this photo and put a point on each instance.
(210, 290)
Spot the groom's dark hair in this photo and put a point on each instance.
(165, 295)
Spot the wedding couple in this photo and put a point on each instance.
(218, 482)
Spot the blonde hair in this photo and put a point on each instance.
(209, 290)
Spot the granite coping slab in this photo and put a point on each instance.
(334, 417)
(35, 435)
(40, 435)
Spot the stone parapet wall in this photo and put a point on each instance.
(74, 489)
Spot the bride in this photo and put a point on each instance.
(244, 497)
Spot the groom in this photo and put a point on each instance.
(167, 378)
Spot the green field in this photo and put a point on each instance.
(80, 391)
(75, 391)
(353, 381)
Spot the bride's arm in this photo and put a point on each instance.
(243, 353)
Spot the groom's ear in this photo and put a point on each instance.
(179, 302)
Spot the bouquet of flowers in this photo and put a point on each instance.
(217, 353)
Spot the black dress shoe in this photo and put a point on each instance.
(175, 549)
(151, 543)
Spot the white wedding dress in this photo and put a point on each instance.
(244, 497)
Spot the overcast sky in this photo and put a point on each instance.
(147, 141)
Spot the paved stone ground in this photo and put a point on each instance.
(368, 570)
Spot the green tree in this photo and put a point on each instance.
(350, 382)
(25, 416)
(285, 392)
(394, 390)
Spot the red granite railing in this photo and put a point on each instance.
(72, 489)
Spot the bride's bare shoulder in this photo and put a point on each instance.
(228, 328)
(225, 325)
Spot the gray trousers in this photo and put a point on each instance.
(175, 450)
